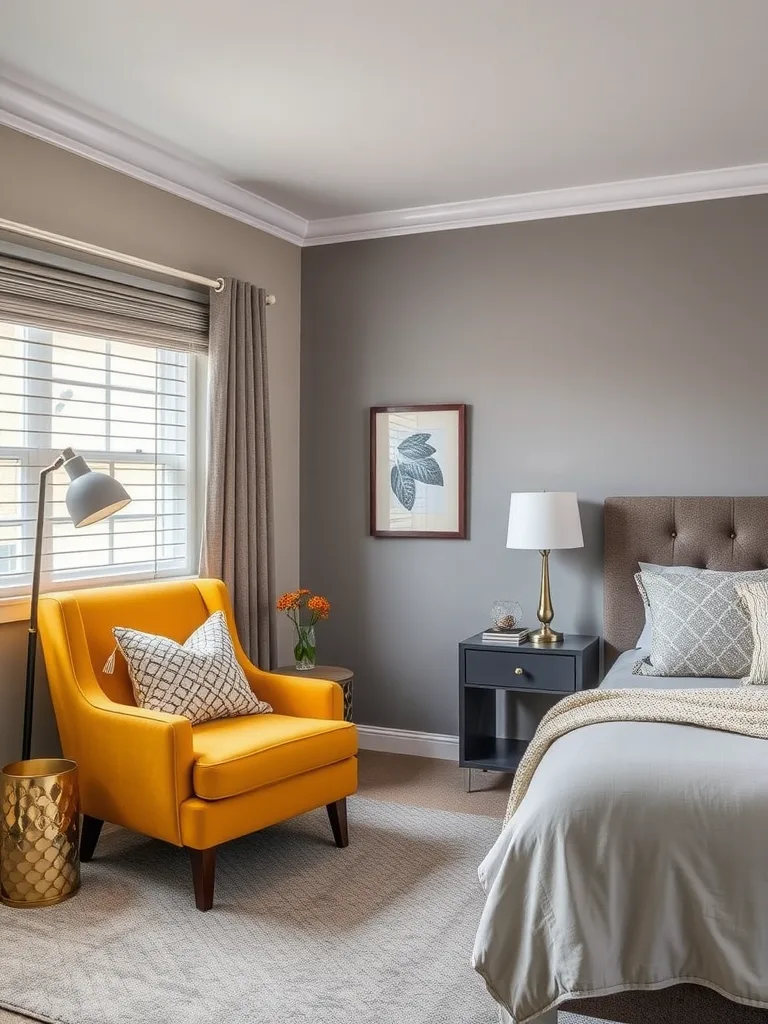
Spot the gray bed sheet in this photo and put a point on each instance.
(638, 859)
(619, 677)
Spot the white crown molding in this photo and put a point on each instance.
(696, 186)
(48, 117)
(36, 109)
(404, 741)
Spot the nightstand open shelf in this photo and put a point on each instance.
(494, 753)
(505, 690)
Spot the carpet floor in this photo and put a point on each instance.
(379, 933)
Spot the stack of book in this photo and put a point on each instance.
(512, 637)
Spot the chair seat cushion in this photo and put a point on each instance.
(236, 755)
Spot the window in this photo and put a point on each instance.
(129, 409)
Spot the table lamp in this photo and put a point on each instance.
(543, 521)
(90, 497)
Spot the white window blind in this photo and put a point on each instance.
(129, 409)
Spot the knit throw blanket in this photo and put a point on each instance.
(742, 710)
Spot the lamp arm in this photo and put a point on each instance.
(44, 474)
(29, 691)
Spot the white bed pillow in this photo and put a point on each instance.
(646, 636)
(754, 597)
(199, 679)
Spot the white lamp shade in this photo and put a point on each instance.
(544, 520)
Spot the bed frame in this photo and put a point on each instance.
(712, 533)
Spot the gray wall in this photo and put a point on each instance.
(620, 353)
(52, 189)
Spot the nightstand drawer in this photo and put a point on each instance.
(539, 671)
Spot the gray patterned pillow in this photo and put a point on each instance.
(700, 626)
(199, 679)
(644, 640)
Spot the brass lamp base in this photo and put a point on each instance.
(545, 635)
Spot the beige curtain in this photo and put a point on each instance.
(238, 544)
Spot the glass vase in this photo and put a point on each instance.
(505, 615)
(305, 651)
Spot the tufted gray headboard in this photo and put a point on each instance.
(713, 533)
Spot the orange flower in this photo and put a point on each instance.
(319, 606)
(286, 602)
(294, 601)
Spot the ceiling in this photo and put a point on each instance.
(332, 108)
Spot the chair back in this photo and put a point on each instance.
(84, 619)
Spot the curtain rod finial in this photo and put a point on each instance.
(218, 287)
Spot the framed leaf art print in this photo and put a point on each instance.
(418, 471)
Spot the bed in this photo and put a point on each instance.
(715, 533)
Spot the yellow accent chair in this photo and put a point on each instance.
(196, 786)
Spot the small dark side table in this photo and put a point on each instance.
(494, 733)
(345, 677)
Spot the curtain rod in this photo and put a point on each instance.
(216, 285)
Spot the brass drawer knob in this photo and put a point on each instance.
(518, 671)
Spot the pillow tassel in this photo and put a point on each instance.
(109, 664)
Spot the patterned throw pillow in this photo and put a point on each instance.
(700, 626)
(199, 679)
(755, 598)
(644, 640)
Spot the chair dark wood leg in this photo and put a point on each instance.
(337, 814)
(203, 876)
(89, 836)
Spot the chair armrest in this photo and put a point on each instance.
(300, 698)
(135, 766)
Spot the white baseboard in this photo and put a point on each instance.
(405, 741)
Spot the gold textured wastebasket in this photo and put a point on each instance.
(39, 832)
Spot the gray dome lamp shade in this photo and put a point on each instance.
(91, 496)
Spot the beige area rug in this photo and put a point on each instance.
(379, 933)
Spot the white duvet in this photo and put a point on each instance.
(638, 858)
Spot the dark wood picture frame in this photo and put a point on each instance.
(461, 532)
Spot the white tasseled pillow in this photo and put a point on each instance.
(199, 679)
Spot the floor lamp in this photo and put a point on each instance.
(91, 496)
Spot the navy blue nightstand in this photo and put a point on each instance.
(538, 676)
